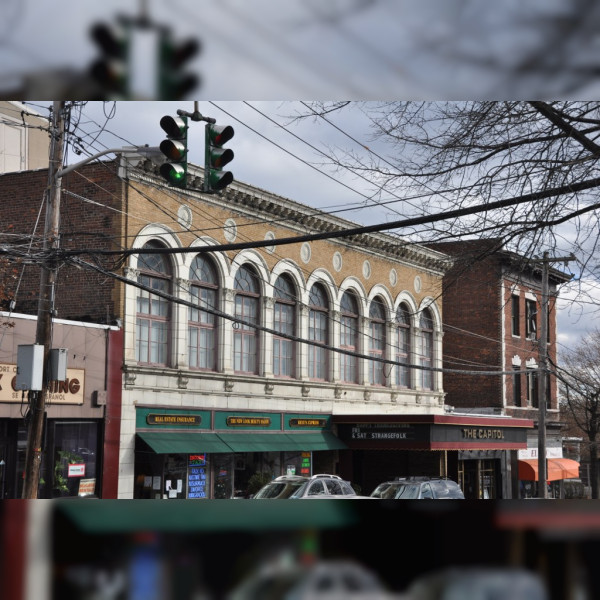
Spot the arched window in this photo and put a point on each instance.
(202, 330)
(153, 312)
(426, 349)
(403, 378)
(284, 322)
(245, 337)
(349, 338)
(376, 342)
(318, 327)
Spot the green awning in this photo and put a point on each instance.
(274, 442)
(182, 442)
(217, 516)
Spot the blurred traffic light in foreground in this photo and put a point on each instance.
(358, 49)
(273, 550)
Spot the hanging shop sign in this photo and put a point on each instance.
(69, 391)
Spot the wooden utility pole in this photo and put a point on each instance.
(33, 457)
(543, 371)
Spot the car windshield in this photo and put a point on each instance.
(405, 491)
(300, 491)
(277, 489)
(447, 490)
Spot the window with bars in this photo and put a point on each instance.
(152, 311)
(284, 323)
(245, 337)
(403, 333)
(349, 338)
(318, 327)
(377, 342)
(202, 325)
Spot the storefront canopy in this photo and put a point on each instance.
(189, 443)
(558, 468)
(169, 442)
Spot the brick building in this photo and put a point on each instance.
(217, 385)
(492, 312)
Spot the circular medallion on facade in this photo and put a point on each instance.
(337, 261)
(393, 277)
(305, 252)
(270, 236)
(184, 216)
(417, 284)
(230, 230)
(366, 269)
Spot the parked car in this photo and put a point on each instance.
(327, 580)
(281, 488)
(324, 486)
(475, 583)
(418, 488)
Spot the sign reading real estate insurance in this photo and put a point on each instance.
(69, 391)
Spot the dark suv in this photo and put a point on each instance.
(418, 488)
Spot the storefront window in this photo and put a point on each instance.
(223, 469)
(74, 468)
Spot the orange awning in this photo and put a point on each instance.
(558, 468)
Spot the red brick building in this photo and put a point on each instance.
(492, 320)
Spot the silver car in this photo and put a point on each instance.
(418, 488)
(324, 486)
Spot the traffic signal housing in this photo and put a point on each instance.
(216, 157)
(174, 170)
(110, 71)
(173, 82)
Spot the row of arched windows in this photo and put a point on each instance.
(399, 341)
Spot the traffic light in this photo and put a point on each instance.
(173, 83)
(216, 157)
(111, 70)
(174, 170)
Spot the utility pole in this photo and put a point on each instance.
(543, 372)
(33, 457)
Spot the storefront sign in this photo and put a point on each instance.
(482, 433)
(158, 419)
(248, 421)
(87, 487)
(76, 470)
(382, 431)
(69, 391)
(308, 422)
(305, 466)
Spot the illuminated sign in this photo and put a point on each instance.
(158, 419)
(248, 421)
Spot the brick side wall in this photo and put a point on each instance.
(80, 294)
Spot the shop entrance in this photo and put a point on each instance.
(479, 479)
